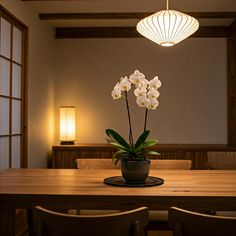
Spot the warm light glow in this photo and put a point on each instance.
(167, 27)
(67, 124)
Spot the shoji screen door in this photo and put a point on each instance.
(12, 91)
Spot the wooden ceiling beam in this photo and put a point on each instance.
(129, 15)
(45, 0)
(130, 32)
(97, 32)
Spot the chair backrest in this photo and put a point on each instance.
(221, 160)
(99, 163)
(128, 223)
(187, 223)
(96, 163)
(171, 164)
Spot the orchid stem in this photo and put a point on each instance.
(145, 121)
(130, 127)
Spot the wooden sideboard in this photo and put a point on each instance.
(63, 156)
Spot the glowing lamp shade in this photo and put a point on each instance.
(67, 124)
(167, 27)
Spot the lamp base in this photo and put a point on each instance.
(67, 142)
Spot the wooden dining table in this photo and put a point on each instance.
(85, 189)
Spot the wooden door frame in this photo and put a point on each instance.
(24, 72)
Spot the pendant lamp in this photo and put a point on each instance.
(167, 27)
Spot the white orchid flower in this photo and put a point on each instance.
(155, 83)
(141, 101)
(144, 83)
(117, 86)
(140, 91)
(125, 84)
(153, 93)
(152, 104)
(136, 77)
(116, 93)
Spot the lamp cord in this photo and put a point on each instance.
(167, 4)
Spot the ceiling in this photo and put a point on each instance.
(124, 14)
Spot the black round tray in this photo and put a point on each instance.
(119, 181)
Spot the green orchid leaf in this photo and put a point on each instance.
(147, 152)
(116, 161)
(117, 156)
(121, 156)
(118, 146)
(150, 142)
(113, 156)
(142, 147)
(117, 138)
(142, 138)
(119, 153)
(139, 149)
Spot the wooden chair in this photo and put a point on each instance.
(158, 220)
(90, 164)
(96, 163)
(21, 222)
(171, 164)
(222, 161)
(93, 163)
(187, 223)
(51, 223)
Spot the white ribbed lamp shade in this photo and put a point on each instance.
(167, 27)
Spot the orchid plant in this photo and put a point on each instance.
(146, 93)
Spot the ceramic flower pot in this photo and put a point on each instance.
(135, 171)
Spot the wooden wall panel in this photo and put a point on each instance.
(64, 156)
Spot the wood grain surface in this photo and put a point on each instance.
(69, 182)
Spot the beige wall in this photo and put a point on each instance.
(40, 82)
(193, 96)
